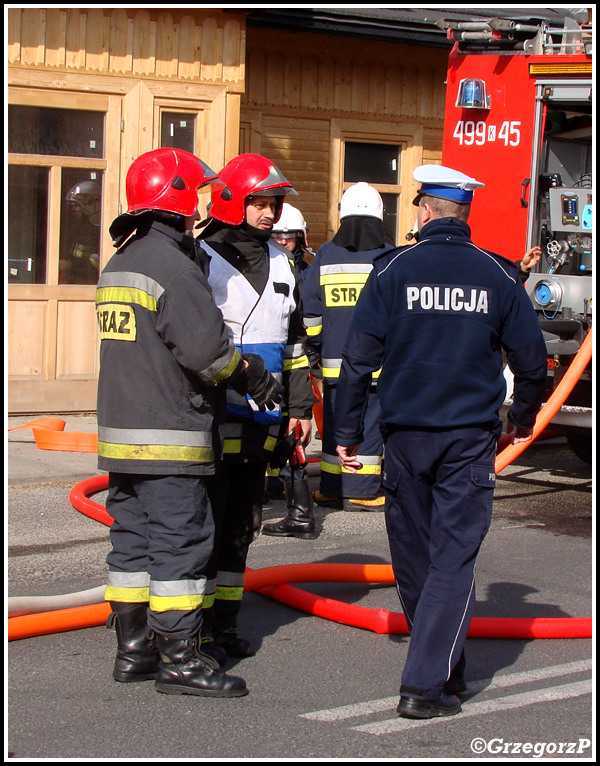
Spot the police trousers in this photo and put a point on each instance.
(439, 491)
(335, 482)
(162, 539)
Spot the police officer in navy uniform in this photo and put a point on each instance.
(436, 316)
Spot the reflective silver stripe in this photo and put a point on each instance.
(331, 459)
(313, 321)
(346, 268)
(150, 436)
(293, 350)
(131, 279)
(230, 579)
(128, 579)
(210, 587)
(173, 588)
(231, 430)
(221, 368)
(331, 363)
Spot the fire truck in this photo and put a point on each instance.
(519, 118)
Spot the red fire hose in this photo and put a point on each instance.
(274, 581)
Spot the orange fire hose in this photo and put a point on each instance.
(273, 581)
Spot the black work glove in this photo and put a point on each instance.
(261, 385)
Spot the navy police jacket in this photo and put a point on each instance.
(436, 317)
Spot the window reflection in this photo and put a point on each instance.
(62, 132)
(81, 214)
(178, 131)
(27, 224)
(373, 163)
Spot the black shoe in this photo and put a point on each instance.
(454, 686)
(137, 653)
(184, 669)
(233, 644)
(288, 527)
(416, 707)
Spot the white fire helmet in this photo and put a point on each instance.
(361, 199)
(291, 222)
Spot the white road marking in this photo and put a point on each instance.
(498, 682)
(497, 705)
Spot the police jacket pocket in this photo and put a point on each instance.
(483, 476)
(389, 481)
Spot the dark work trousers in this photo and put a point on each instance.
(163, 526)
(439, 491)
(367, 482)
(236, 493)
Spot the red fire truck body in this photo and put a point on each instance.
(518, 117)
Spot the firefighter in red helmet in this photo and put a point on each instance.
(257, 290)
(165, 359)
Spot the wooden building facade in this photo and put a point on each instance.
(91, 89)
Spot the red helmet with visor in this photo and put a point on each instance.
(166, 179)
(244, 176)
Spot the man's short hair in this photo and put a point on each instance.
(445, 208)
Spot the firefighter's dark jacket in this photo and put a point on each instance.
(436, 316)
(330, 292)
(164, 351)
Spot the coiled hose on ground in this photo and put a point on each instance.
(85, 611)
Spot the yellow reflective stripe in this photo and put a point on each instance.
(208, 601)
(270, 443)
(316, 330)
(126, 295)
(296, 364)
(225, 593)
(366, 469)
(127, 595)
(334, 372)
(232, 446)
(226, 371)
(156, 452)
(371, 470)
(185, 603)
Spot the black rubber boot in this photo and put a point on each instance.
(226, 630)
(300, 521)
(208, 645)
(184, 669)
(137, 653)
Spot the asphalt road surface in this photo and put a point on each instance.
(319, 689)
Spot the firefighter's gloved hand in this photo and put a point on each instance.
(262, 386)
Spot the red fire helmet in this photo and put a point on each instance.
(166, 179)
(244, 176)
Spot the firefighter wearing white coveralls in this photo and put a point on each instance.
(165, 358)
(257, 290)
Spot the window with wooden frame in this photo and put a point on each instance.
(384, 155)
(57, 160)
